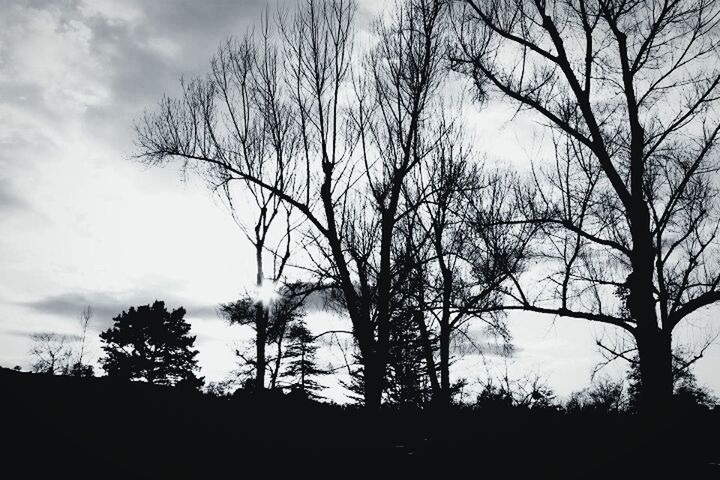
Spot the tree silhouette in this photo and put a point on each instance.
(279, 314)
(51, 353)
(629, 91)
(56, 354)
(302, 369)
(149, 343)
(342, 196)
(247, 72)
(473, 253)
(527, 392)
(687, 393)
(79, 367)
(408, 380)
(605, 395)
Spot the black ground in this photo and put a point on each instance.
(62, 427)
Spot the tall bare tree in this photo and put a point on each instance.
(202, 128)
(79, 367)
(463, 269)
(629, 208)
(85, 317)
(51, 353)
(397, 132)
(199, 129)
(245, 78)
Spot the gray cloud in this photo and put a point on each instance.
(481, 341)
(9, 201)
(31, 335)
(114, 60)
(170, 40)
(105, 306)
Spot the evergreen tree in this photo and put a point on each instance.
(149, 343)
(284, 311)
(407, 381)
(302, 369)
(411, 344)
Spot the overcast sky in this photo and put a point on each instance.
(82, 224)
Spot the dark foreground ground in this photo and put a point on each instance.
(61, 427)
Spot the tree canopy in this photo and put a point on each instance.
(151, 344)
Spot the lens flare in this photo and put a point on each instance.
(266, 293)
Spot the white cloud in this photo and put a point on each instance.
(52, 54)
(112, 10)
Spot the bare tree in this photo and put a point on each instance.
(396, 131)
(85, 317)
(199, 129)
(245, 75)
(79, 367)
(629, 209)
(62, 354)
(208, 127)
(51, 353)
(473, 255)
(458, 271)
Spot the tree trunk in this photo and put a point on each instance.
(384, 281)
(428, 352)
(654, 344)
(445, 328)
(373, 383)
(656, 375)
(357, 308)
(260, 325)
(278, 361)
(445, 361)
(302, 368)
(447, 290)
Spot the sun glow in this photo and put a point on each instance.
(266, 293)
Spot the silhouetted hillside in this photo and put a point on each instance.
(63, 427)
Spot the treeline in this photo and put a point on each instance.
(366, 182)
(151, 344)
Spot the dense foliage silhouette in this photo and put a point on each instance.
(150, 343)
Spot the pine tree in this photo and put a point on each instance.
(302, 369)
(284, 310)
(149, 343)
(407, 381)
